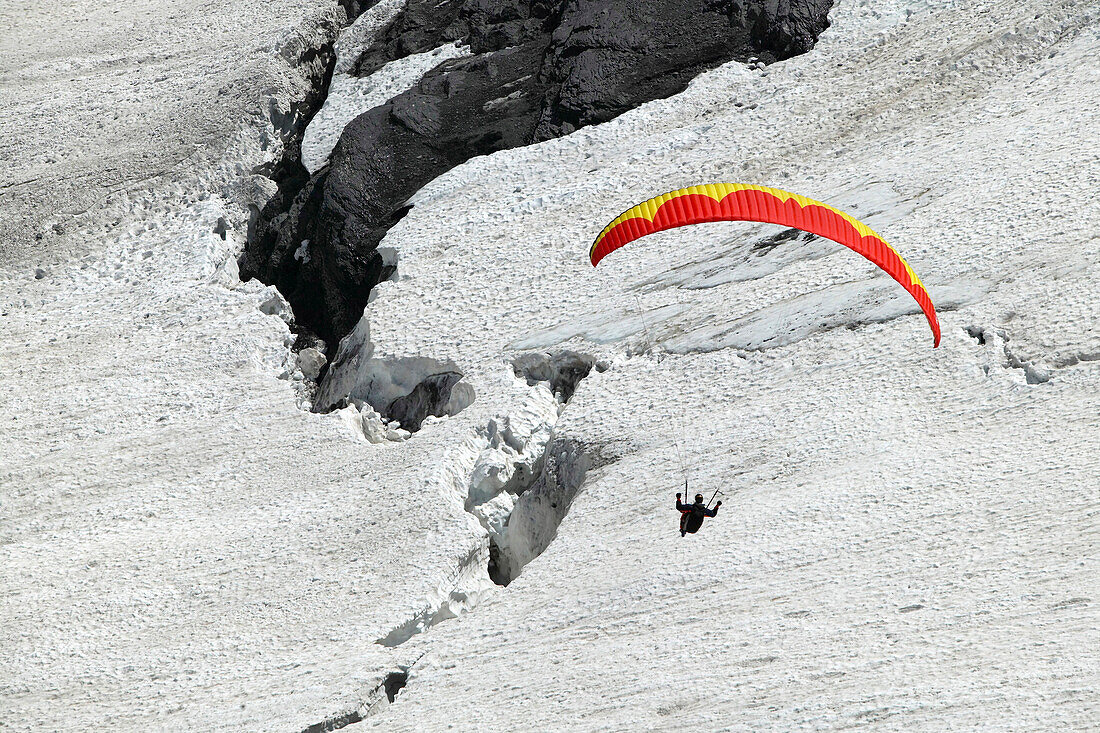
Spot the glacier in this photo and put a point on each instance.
(908, 535)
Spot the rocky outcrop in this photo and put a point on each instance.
(540, 69)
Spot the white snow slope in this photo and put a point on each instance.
(909, 536)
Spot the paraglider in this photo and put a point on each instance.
(744, 202)
(691, 515)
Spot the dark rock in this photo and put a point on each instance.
(541, 69)
(781, 28)
(430, 397)
(483, 25)
(606, 58)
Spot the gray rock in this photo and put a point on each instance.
(311, 362)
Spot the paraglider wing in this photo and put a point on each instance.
(744, 202)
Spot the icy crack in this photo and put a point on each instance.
(453, 597)
(524, 478)
(989, 336)
(374, 702)
(334, 723)
(517, 480)
(562, 371)
(533, 522)
(400, 390)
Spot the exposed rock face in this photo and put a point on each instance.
(540, 69)
(430, 397)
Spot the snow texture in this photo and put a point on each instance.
(908, 535)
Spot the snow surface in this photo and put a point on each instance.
(908, 539)
(106, 103)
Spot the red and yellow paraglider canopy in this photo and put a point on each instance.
(745, 202)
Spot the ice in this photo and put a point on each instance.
(908, 534)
